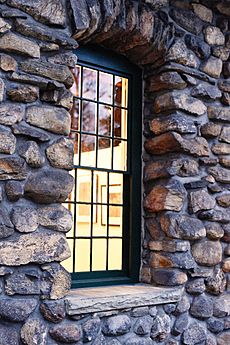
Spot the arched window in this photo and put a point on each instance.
(105, 203)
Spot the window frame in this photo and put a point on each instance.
(108, 61)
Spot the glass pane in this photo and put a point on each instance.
(116, 189)
(104, 153)
(75, 137)
(89, 110)
(82, 263)
(89, 83)
(104, 121)
(75, 115)
(115, 221)
(100, 226)
(76, 88)
(115, 254)
(121, 92)
(68, 263)
(100, 178)
(83, 218)
(84, 185)
(105, 87)
(119, 155)
(99, 255)
(120, 123)
(88, 152)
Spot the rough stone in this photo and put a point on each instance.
(180, 324)
(91, 329)
(168, 277)
(135, 340)
(49, 186)
(222, 306)
(41, 82)
(220, 174)
(165, 196)
(214, 231)
(9, 336)
(53, 311)
(223, 200)
(202, 307)
(25, 93)
(226, 265)
(32, 154)
(37, 248)
(53, 119)
(14, 190)
(25, 219)
(52, 13)
(206, 90)
(214, 36)
(161, 327)
(174, 142)
(68, 333)
(58, 280)
(30, 132)
(4, 26)
(219, 113)
(215, 215)
(210, 130)
(175, 122)
(166, 81)
(34, 331)
(215, 284)
(200, 200)
(23, 282)
(225, 98)
(11, 113)
(143, 326)
(6, 227)
(116, 325)
(59, 73)
(226, 69)
(171, 246)
(213, 67)
(12, 43)
(225, 134)
(61, 97)
(200, 48)
(194, 334)
(203, 12)
(60, 154)
(196, 286)
(7, 63)
(215, 325)
(68, 59)
(180, 54)
(182, 226)
(176, 100)
(172, 260)
(221, 149)
(223, 338)
(221, 52)
(16, 310)
(187, 20)
(207, 253)
(55, 217)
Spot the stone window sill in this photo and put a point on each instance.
(113, 298)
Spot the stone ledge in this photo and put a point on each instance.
(93, 300)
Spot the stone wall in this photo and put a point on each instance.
(183, 48)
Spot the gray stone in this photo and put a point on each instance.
(55, 217)
(210, 130)
(214, 36)
(23, 282)
(206, 90)
(135, 340)
(4, 271)
(175, 122)
(25, 219)
(9, 336)
(12, 43)
(7, 63)
(169, 195)
(196, 286)
(200, 200)
(172, 260)
(221, 149)
(222, 306)
(91, 329)
(2, 89)
(226, 69)
(143, 326)
(221, 52)
(30, 151)
(14, 190)
(225, 134)
(60, 154)
(6, 227)
(4, 26)
(49, 186)
(169, 308)
(224, 85)
(7, 141)
(41, 82)
(223, 338)
(200, 48)
(53, 311)
(53, 119)
(180, 54)
(226, 265)
(203, 12)
(220, 174)
(24, 93)
(182, 226)
(187, 19)
(225, 98)
(218, 113)
(58, 280)
(52, 13)
(176, 100)
(207, 253)
(61, 97)
(116, 325)
(68, 59)
(171, 246)
(180, 324)
(215, 325)
(202, 307)
(11, 113)
(168, 277)
(213, 67)
(183, 305)
(223, 200)
(215, 215)
(30, 132)
(166, 81)
(100, 340)
(214, 231)
(161, 327)
(17, 309)
(34, 331)
(139, 311)
(194, 334)
(59, 73)
(37, 248)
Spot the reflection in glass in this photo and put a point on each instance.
(115, 220)
(84, 184)
(104, 153)
(89, 110)
(89, 83)
(82, 262)
(120, 123)
(99, 255)
(88, 152)
(104, 123)
(105, 87)
(115, 254)
(75, 137)
(121, 92)
(119, 155)
(76, 87)
(75, 115)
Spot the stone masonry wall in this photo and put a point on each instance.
(183, 48)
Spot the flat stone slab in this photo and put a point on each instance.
(92, 300)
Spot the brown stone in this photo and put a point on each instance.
(207, 253)
(30, 132)
(11, 113)
(12, 43)
(24, 93)
(203, 12)
(224, 338)
(221, 52)
(32, 154)
(214, 231)
(214, 36)
(168, 277)
(55, 217)
(226, 265)
(219, 113)
(187, 19)
(166, 196)
(221, 149)
(12, 168)
(34, 331)
(170, 246)
(225, 98)
(210, 130)
(7, 142)
(224, 85)
(166, 81)
(206, 90)
(7, 63)
(61, 97)
(172, 260)
(174, 142)
(200, 200)
(225, 134)
(57, 279)
(60, 154)
(220, 174)
(41, 82)
(34, 248)
(215, 284)
(53, 119)
(175, 122)
(59, 73)
(176, 100)
(213, 67)
(53, 311)
(222, 306)
(223, 200)
(67, 333)
(180, 54)
(6, 226)
(14, 190)
(215, 215)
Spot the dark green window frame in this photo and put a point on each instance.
(107, 61)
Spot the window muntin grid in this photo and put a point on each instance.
(100, 133)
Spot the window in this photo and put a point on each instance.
(106, 129)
